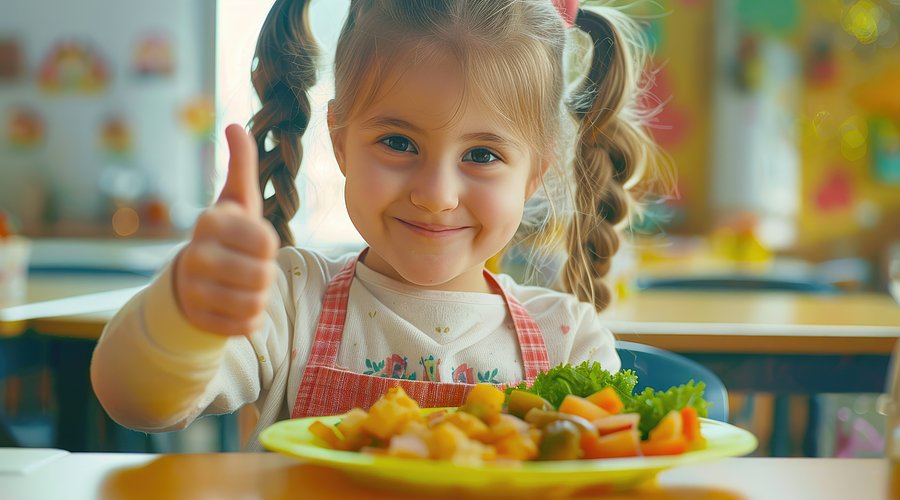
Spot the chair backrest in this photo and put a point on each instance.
(661, 369)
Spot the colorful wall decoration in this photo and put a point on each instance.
(73, 66)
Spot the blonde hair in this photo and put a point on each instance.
(519, 43)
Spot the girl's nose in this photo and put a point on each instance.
(436, 187)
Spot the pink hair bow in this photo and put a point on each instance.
(568, 9)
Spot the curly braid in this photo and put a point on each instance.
(286, 55)
(611, 153)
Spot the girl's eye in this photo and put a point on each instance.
(399, 143)
(480, 155)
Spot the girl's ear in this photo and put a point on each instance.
(535, 180)
(337, 138)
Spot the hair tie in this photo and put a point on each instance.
(568, 9)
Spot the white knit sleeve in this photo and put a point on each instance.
(154, 371)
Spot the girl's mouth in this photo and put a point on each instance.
(431, 230)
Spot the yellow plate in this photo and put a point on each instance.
(292, 437)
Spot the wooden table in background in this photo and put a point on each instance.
(273, 476)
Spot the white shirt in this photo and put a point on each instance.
(154, 371)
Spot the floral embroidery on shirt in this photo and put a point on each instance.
(393, 367)
(489, 376)
(564, 329)
(442, 329)
(462, 374)
(431, 368)
(373, 367)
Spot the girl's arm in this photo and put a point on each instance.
(153, 370)
(197, 337)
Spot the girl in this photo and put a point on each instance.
(450, 123)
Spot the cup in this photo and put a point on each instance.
(14, 254)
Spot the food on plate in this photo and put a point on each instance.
(568, 413)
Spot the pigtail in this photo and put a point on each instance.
(285, 70)
(611, 152)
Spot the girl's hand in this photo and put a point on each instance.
(222, 277)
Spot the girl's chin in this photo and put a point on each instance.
(437, 278)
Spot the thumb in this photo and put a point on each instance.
(242, 181)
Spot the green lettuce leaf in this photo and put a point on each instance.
(587, 378)
(582, 380)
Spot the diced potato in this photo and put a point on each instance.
(447, 442)
(390, 413)
(518, 446)
(505, 426)
(485, 402)
(471, 425)
(408, 445)
(351, 426)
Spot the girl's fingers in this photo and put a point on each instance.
(242, 182)
(226, 301)
(226, 224)
(211, 261)
(222, 325)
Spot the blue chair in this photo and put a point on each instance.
(661, 369)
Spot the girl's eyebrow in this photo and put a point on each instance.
(489, 137)
(386, 122)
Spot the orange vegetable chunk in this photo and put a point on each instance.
(667, 428)
(575, 405)
(674, 445)
(327, 434)
(616, 423)
(690, 423)
(608, 399)
(615, 445)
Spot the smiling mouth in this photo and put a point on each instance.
(432, 230)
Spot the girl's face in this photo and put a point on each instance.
(434, 189)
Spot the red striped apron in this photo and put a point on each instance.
(328, 390)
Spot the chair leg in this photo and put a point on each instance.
(780, 445)
(811, 436)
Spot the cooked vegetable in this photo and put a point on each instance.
(520, 402)
(581, 380)
(598, 417)
(654, 405)
(608, 399)
(562, 441)
(485, 402)
(587, 379)
(625, 443)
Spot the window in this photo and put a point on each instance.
(322, 222)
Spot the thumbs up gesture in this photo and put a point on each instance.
(222, 277)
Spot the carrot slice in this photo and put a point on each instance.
(608, 399)
(575, 405)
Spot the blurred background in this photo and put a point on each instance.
(781, 119)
